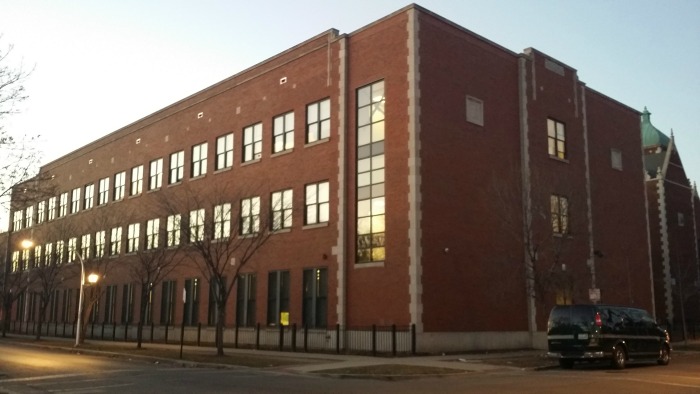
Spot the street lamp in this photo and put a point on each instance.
(92, 279)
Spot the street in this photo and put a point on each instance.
(26, 369)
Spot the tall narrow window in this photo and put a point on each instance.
(52, 209)
(222, 221)
(41, 212)
(89, 196)
(317, 203)
(103, 191)
(370, 246)
(63, 205)
(245, 300)
(560, 214)
(191, 307)
(556, 138)
(283, 132)
(250, 215)
(136, 180)
(119, 185)
(115, 241)
(197, 225)
(155, 179)
(85, 246)
(199, 160)
(29, 216)
(127, 303)
(17, 220)
(167, 303)
(72, 249)
(152, 230)
(75, 200)
(177, 167)
(281, 206)
(49, 256)
(38, 256)
(224, 151)
(173, 229)
(132, 244)
(318, 121)
(252, 142)
(215, 289)
(100, 239)
(66, 306)
(315, 303)
(278, 298)
(110, 303)
(60, 252)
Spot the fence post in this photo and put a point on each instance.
(294, 337)
(102, 336)
(413, 338)
(281, 339)
(306, 338)
(393, 340)
(152, 329)
(337, 338)
(199, 334)
(374, 339)
(166, 332)
(257, 336)
(235, 338)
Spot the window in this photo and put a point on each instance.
(15, 262)
(148, 319)
(152, 230)
(155, 180)
(49, 257)
(475, 111)
(245, 301)
(252, 142)
(72, 249)
(681, 219)
(60, 252)
(370, 241)
(52, 208)
(556, 136)
(136, 180)
(173, 229)
(222, 221)
(316, 203)
(100, 243)
(66, 305)
(63, 205)
(250, 215)
(167, 303)
(17, 220)
(110, 303)
(560, 214)
(197, 225)
(75, 200)
(85, 246)
(283, 132)
(191, 317)
(199, 160)
(132, 238)
(177, 167)
(38, 256)
(115, 239)
(616, 159)
(89, 196)
(281, 206)
(278, 298)
(315, 304)
(41, 212)
(103, 191)
(224, 151)
(29, 216)
(127, 303)
(25, 259)
(119, 185)
(215, 289)
(318, 121)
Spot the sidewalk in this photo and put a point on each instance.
(299, 362)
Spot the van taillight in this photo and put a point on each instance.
(598, 321)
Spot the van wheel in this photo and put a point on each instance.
(566, 364)
(664, 355)
(619, 358)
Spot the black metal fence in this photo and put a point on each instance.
(375, 340)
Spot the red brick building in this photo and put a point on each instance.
(420, 175)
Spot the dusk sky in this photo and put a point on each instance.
(101, 65)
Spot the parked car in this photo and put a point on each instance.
(605, 332)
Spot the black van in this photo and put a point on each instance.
(595, 332)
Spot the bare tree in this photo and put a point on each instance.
(16, 279)
(223, 245)
(152, 264)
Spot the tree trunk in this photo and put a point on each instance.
(142, 316)
(6, 306)
(220, 318)
(42, 313)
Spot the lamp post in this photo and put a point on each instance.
(92, 279)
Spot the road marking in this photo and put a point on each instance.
(62, 376)
(90, 389)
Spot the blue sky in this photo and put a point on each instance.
(100, 65)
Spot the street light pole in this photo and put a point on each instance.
(80, 301)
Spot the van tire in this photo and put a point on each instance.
(565, 363)
(664, 355)
(619, 357)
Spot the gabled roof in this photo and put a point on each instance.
(651, 136)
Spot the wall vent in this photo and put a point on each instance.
(283, 80)
(138, 141)
(200, 115)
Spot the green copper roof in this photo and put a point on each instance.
(651, 136)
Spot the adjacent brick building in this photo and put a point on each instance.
(420, 175)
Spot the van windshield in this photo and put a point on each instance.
(571, 319)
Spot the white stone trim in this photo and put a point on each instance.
(341, 248)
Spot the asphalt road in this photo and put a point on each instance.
(36, 370)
